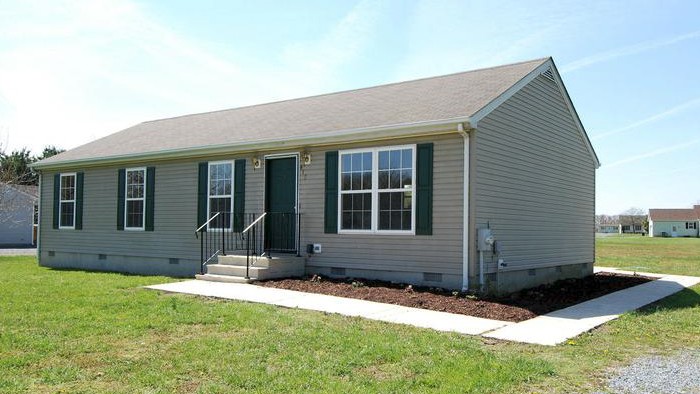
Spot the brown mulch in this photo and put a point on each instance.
(516, 307)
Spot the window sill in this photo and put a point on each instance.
(377, 232)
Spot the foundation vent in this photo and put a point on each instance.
(174, 260)
(432, 277)
(102, 257)
(532, 272)
(337, 271)
(51, 253)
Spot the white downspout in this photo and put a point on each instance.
(465, 210)
(38, 222)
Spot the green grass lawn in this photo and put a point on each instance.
(76, 331)
(662, 255)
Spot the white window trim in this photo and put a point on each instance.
(61, 200)
(209, 196)
(127, 199)
(374, 228)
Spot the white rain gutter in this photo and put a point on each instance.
(465, 209)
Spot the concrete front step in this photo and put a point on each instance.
(274, 261)
(223, 278)
(281, 266)
(234, 270)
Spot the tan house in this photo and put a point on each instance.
(483, 178)
(674, 222)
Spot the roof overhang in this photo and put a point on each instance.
(376, 133)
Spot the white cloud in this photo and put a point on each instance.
(346, 40)
(654, 153)
(662, 115)
(626, 51)
(71, 72)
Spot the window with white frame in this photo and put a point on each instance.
(691, 225)
(377, 190)
(67, 201)
(135, 202)
(221, 194)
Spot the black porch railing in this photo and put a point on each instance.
(256, 234)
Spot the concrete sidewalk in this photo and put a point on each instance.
(558, 326)
(441, 321)
(550, 329)
(17, 251)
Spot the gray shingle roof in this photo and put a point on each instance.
(30, 190)
(422, 100)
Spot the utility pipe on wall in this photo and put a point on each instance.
(465, 209)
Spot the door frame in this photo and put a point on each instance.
(287, 155)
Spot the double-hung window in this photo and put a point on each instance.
(220, 194)
(135, 201)
(67, 201)
(377, 190)
(691, 225)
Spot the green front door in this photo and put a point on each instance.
(280, 204)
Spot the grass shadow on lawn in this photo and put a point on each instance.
(687, 298)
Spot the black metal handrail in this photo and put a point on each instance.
(250, 233)
(259, 234)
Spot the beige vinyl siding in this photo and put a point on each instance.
(175, 217)
(534, 181)
(439, 253)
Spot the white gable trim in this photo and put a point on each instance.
(544, 67)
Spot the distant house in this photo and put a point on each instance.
(17, 214)
(607, 224)
(620, 224)
(674, 222)
(632, 224)
(608, 228)
(395, 182)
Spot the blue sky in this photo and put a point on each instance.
(74, 71)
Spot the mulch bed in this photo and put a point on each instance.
(516, 307)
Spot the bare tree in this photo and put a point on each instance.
(634, 217)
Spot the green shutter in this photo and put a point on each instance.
(121, 181)
(239, 196)
(56, 199)
(331, 203)
(202, 194)
(150, 197)
(79, 200)
(424, 189)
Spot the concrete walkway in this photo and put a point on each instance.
(558, 326)
(441, 321)
(550, 329)
(18, 252)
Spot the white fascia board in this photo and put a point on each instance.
(480, 114)
(318, 139)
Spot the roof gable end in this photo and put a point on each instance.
(549, 70)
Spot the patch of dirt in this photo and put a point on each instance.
(519, 306)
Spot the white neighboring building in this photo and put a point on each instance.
(17, 214)
(674, 222)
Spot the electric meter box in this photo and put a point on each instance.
(485, 240)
